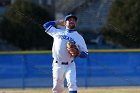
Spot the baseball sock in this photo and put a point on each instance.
(72, 91)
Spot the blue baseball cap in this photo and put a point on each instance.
(70, 16)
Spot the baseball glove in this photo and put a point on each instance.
(72, 49)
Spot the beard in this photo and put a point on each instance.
(71, 26)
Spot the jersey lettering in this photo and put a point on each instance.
(66, 38)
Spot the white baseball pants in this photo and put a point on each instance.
(60, 72)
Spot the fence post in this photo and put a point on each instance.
(87, 71)
(25, 70)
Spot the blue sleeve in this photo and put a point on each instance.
(83, 54)
(49, 24)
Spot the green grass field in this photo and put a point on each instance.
(80, 90)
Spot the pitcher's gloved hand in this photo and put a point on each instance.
(72, 49)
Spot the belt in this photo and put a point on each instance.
(64, 63)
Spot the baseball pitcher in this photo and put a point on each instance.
(68, 44)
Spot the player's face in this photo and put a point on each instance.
(70, 23)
